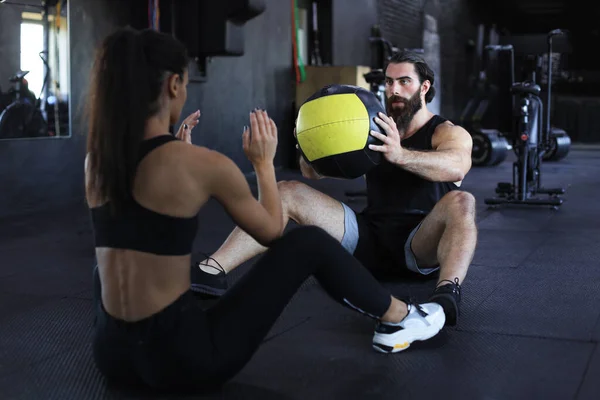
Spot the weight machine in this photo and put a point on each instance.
(531, 141)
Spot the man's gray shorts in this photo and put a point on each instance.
(350, 241)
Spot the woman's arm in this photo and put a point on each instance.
(263, 218)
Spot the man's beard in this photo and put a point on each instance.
(403, 116)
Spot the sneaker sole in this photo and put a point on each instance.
(384, 346)
(199, 288)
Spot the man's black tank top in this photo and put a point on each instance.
(138, 228)
(393, 191)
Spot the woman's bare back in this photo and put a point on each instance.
(137, 284)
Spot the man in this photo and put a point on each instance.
(417, 220)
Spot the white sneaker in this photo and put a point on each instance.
(423, 322)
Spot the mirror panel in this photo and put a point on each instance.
(35, 70)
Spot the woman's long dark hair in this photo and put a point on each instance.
(127, 78)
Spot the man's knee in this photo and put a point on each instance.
(289, 187)
(306, 205)
(460, 204)
(291, 192)
(296, 197)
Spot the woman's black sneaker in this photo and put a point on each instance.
(213, 285)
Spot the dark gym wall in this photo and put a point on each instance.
(10, 35)
(401, 22)
(352, 22)
(41, 174)
(262, 77)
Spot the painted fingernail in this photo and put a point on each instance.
(185, 126)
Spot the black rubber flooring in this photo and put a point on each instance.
(529, 327)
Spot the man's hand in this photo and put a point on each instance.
(185, 130)
(391, 148)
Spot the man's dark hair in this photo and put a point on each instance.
(423, 70)
(127, 78)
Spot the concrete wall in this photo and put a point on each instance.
(10, 36)
(351, 25)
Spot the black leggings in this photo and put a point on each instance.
(187, 347)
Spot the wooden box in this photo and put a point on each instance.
(319, 76)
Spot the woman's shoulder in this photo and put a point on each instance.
(204, 156)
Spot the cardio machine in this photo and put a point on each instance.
(531, 141)
(23, 115)
(22, 118)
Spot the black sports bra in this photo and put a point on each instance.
(138, 228)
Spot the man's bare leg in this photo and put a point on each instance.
(448, 238)
(302, 204)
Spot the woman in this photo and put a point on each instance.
(145, 189)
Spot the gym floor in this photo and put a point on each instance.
(529, 326)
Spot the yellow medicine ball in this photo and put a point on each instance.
(333, 131)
